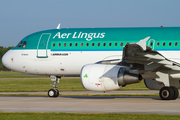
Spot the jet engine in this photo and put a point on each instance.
(101, 77)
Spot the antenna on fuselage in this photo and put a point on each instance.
(58, 27)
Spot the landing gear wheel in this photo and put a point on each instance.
(52, 93)
(176, 92)
(166, 93)
(57, 93)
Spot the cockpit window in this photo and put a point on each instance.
(24, 44)
(19, 44)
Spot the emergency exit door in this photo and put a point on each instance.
(151, 43)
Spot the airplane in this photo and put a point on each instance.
(106, 59)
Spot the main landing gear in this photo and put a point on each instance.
(169, 93)
(54, 92)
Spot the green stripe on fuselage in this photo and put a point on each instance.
(104, 35)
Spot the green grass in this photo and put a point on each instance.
(136, 86)
(26, 84)
(9, 74)
(31, 85)
(81, 116)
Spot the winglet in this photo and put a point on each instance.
(142, 43)
(58, 27)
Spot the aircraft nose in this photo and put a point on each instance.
(5, 59)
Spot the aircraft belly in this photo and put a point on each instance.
(69, 63)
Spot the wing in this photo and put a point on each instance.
(155, 65)
(142, 54)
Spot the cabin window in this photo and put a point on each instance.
(109, 44)
(76, 44)
(81, 44)
(19, 44)
(115, 44)
(121, 44)
(164, 43)
(98, 44)
(70, 44)
(151, 44)
(104, 44)
(59, 44)
(24, 44)
(158, 44)
(87, 44)
(64, 44)
(170, 43)
(54, 44)
(176, 43)
(93, 44)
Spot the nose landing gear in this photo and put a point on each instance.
(54, 92)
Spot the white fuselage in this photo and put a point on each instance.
(26, 61)
(66, 63)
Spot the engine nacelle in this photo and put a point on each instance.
(101, 77)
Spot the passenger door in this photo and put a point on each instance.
(43, 45)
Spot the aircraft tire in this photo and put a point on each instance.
(166, 93)
(57, 93)
(176, 93)
(52, 93)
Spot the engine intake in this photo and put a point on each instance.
(101, 77)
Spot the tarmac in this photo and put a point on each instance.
(90, 92)
(90, 104)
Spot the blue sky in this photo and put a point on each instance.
(19, 18)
